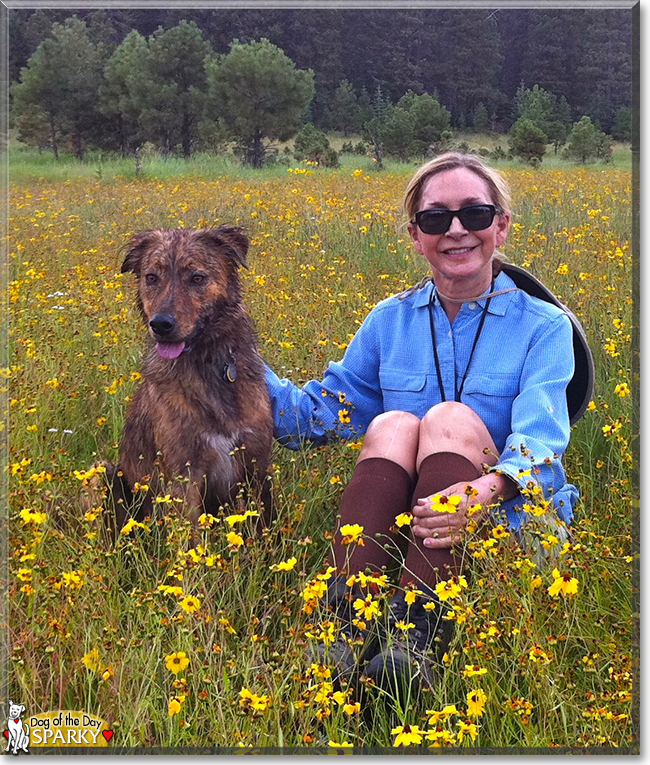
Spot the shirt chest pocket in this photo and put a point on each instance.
(404, 391)
(493, 386)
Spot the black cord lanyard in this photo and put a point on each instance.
(458, 392)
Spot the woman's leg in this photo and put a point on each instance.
(451, 449)
(379, 490)
(453, 446)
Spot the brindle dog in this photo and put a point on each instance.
(201, 417)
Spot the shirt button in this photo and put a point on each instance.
(471, 306)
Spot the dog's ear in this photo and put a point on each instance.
(135, 250)
(234, 239)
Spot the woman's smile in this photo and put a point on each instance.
(459, 250)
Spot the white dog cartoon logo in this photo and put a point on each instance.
(17, 733)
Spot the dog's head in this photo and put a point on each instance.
(185, 276)
(15, 710)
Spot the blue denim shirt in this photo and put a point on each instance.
(516, 382)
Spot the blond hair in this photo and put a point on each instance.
(499, 192)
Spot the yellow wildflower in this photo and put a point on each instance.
(234, 540)
(470, 728)
(452, 588)
(473, 670)
(177, 662)
(32, 516)
(190, 604)
(92, 661)
(368, 608)
(251, 701)
(563, 585)
(174, 705)
(538, 655)
(132, 524)
(285, 565)
(352, 534)
(438, 717)
(476, 703)
(443, 504)
(407, 735)
(231, 520)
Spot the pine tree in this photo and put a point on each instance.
(397, 134)
(550, 114)
(527, 141)
(553, 51)
(176, 83)
(586, 142)
(622, 127)
(481, 117)
(125, 89)
(345, 112)
(62, 79)
(374, 128)
(605, 68)
(260, 95)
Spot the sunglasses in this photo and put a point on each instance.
(472, 217)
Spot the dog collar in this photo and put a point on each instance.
(230, 368)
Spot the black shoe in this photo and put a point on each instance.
(353, 644)
(409, 657)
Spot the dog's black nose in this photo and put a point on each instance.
(162, 324)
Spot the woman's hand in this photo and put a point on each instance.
(442, 529)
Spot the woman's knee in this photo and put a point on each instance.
(452, 426)
(448, 417)
(393, 435)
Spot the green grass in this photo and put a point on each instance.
(27, 164)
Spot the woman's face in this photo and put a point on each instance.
(460, 259)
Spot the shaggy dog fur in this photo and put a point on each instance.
(199, 425)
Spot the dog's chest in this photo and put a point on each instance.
(222, 464)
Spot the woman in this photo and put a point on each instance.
(459, 386)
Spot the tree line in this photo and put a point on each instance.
(184, 87)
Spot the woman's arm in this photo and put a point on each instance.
(540, 420)
(342, 405)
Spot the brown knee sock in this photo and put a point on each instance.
(425, 565)
(379, 490)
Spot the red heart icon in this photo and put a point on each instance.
(107, 734)
(7, 734)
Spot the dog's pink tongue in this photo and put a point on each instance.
(170, 350)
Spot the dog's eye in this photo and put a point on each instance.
(198, 278)
(151, 278)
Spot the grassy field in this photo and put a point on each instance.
(94, 628)
(27, 165)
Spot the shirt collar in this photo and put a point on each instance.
(498, 304)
